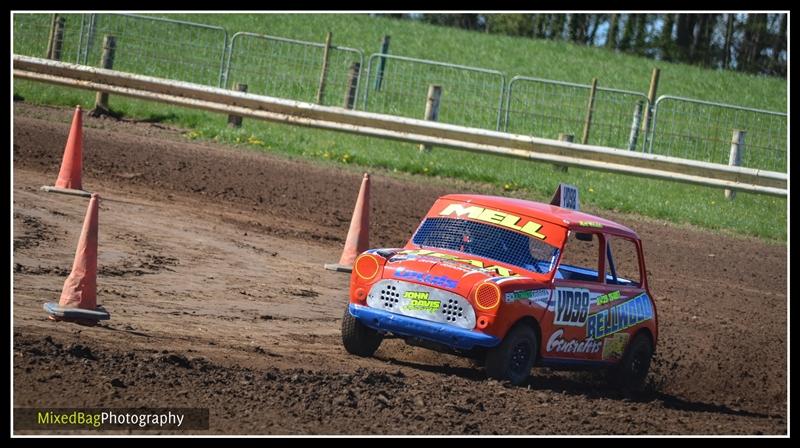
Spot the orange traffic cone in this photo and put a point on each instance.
(78, 301)
(69, 177)
(358, 235)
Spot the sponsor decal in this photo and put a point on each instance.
(494, 217)
(619, 317)
(614, 346)
(606, 298)
(558, 344)
(421, 295)
(420, 302)
(534, 295)
(498, 270)
(442, 281)
(590, 224)
(572, 306)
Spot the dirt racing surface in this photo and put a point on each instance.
(210, 263)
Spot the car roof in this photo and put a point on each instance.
(553, 214)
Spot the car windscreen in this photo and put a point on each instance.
(487, 241)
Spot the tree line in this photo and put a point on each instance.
(751, 43)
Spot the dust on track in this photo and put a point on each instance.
(213, 254)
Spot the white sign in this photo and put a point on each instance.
(566, 197)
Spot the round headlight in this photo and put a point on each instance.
(366, 266)
(487, 296)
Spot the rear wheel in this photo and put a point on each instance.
(357, 338)
(513, 359)
(631, 372)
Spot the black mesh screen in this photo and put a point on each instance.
(487, 241)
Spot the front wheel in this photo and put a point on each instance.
(357, 338)
(513, 359)
(630, 374)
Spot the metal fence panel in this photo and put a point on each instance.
(471, 96)
(702, 130)
(32, 33)
(289, 68)
(546, 108)
(155, 46)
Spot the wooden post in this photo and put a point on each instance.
(56, 41)
(352, 84)
(235, 121)
(651, 96)
(589, 109)
(737, 149)
(324, 74)
(637, 121)
(432, 108)
(382, 62)
(49, 52)
(564, 138)
(101, 99)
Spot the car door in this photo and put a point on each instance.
(623, 305)
(575, 286)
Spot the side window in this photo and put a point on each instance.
(580, 259)
(622, 262)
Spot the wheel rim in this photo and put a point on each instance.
(520, 358)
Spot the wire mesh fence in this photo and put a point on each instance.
(157, 46)
(547, 108)
(39, 35)
(470, 96)
(292, 69)
(702, 130)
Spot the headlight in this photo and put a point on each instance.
(487, 296)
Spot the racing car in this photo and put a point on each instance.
(512, 284)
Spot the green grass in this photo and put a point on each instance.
(755, 215)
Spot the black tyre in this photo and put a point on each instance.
(358, 339)
(630, 374)
(513, 359)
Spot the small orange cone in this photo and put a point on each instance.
(358, 235)
(69, 177)
(78, 302)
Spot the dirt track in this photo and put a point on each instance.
(211, 265)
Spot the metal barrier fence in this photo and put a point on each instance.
(400, 128)
(397, 85)
(32, 35)
(289, 68)
(547, 108)
(702, 130)
(470, 96)
(157, 46)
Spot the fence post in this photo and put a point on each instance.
(432, 108)
(564, 138)
(382, 62)
(589, 109)
(737, 148)
(235, 121)
(637, 121)
(56, 41)
(324, 74)
(48, 53)
(651, 98)
(352, 84)
(101, 99)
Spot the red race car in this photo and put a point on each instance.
(512, 284)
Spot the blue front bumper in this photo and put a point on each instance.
(410, 326)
